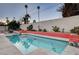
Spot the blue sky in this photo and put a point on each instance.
(47, 11)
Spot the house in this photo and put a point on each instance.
(3, 27)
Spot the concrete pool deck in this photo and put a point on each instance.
(6, 48)
(41, 51)
(69, 50)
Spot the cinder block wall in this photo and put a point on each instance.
(66, 23)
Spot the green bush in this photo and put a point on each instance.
(75, 30)
(39, 29)
(30, 27)
(74, 44)
(13, 25)
(44, 30)
(71, 44)
(56, 29)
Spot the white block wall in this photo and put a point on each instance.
(3, 28)
(66, 23)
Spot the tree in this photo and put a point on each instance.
(69, 9)
(26, 6)
(13, 25)
(34, 21)
(26, 21)
(7, 21)
(26, 17)
(38, 7)
(14, 18)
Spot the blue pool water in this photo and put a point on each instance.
(28, 43)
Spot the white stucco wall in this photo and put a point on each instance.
(3, 28)
(66, 23)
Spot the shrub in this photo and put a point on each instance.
(30, 27)
(75, 30)
(74, 44)
(39, 29)
(33, 30)
(34, 21)
(71, 44)
(56, 29)
(44, 30)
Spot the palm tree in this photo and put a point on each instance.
(26, 8)
(26, 21)
(38, 7)
(7, 21)
(26, 17)
(13, 18)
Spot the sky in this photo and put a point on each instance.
(47, 11)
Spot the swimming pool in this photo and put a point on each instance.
(27, 43)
